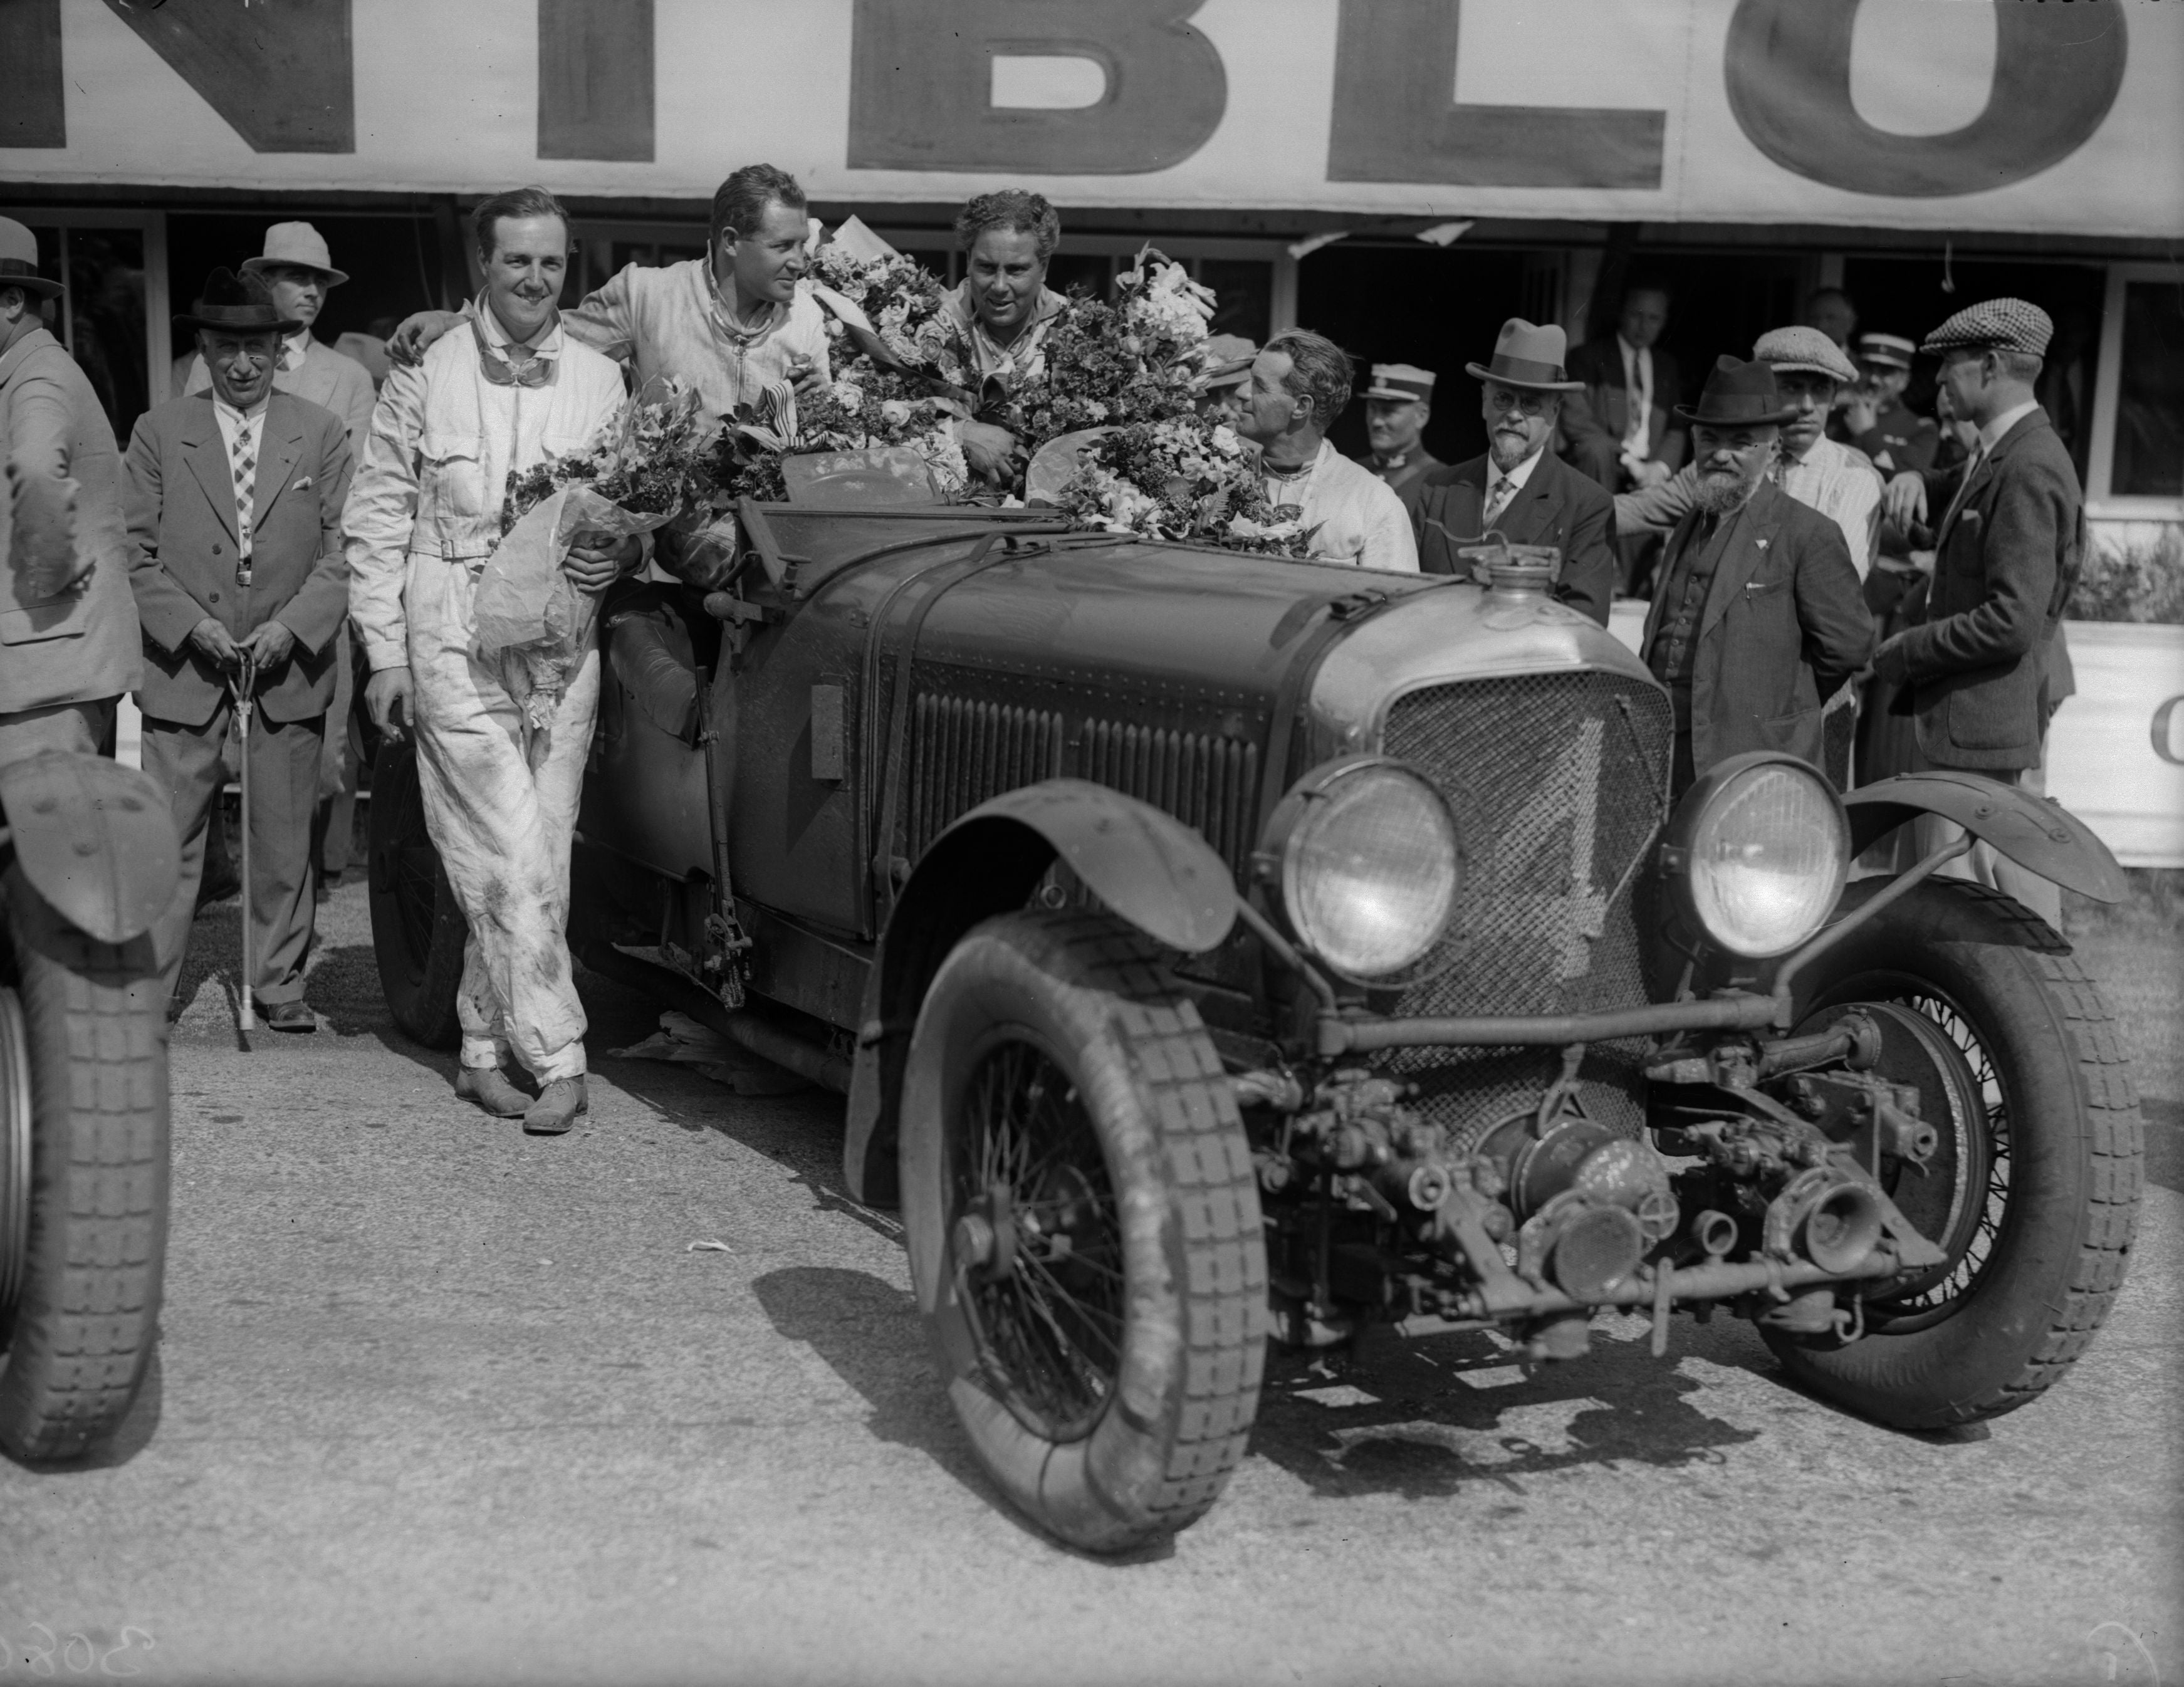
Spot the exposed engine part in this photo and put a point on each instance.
(1827, 1216)
(1855, 1040)
(1713, 1234)
(1583, 1245)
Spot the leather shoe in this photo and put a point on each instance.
(296, 1016)
(557, 1107)
(493, 1089)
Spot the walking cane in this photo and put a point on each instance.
(241, 685)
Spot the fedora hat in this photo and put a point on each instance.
(18, 261)
(237, 304)
(1739, 394)
(1229, 360)
(297, 246)
(1528, 357)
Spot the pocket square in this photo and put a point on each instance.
(298, 486)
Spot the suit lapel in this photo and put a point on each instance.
(206, 453)
(280, 446)
(1749, 541)
(1961, 501)
(1678, 540)
(1531, 511)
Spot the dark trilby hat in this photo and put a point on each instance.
(1529, 357)
(236, 304)
(18, 261)
(1739, 394)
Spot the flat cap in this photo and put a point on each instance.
(2007, 325)
(1782, 349)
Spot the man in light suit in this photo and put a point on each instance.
(298, 269)
(234, 503)
(1519, 487)
(67, 626)
(1759, 618)
(1620, 427)
(2008, 541)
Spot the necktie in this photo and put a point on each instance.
(1497, 500)
(243, 459)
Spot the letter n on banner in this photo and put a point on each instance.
(1397, 118)
(33, 109)
(595, 88)
(2057, 69)
(283, 77)
(921, 86)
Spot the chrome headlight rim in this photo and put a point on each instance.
(1718, 783)
(1278, 866)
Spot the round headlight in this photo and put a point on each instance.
(1768, 851)
(1368, 856)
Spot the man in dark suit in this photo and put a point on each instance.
(234, 504)
(1519, 487)
(1759, 618)
(2008, 544)
(68, 629)
(1620, 426)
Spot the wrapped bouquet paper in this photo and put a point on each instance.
(649, 461)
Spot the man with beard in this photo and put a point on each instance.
(1758, 619)
(1519, 487)
(1398, 405)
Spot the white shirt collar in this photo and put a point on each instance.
(300, 342)
(234, 418)
(1516, 477)
(549, 343)
(1991, 435)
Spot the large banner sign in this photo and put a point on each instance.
(2062, 116)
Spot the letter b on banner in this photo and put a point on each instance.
(2057, 69)
(921, 86)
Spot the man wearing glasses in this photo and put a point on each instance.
(1520, 488)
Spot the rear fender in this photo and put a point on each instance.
(96, 839)
(1147, 867)
(2040, 835)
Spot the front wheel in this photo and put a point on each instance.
(2033, 1194)
(417, 930)
(83, 1178)
(1084, 1228)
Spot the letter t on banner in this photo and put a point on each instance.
(922, 81)
(1396, 118)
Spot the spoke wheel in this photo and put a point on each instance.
(2033, 1194)
(417, 930)
(1038, 1243)
(1084, 1228)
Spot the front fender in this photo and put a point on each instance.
(1146, 866)
(2041, 835)
(96, 839)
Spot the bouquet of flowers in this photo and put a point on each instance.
(886, 307)
(647, 462)
(1188, 478)
(1139, 360)
(868, 408)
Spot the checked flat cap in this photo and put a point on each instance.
(2007, 325)
(1782, 349)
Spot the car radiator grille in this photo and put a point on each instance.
(1559, 783)
(964, 751)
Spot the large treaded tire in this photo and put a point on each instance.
(418, 931)
(2009, 1325)
(1084, 992)
(93, 1025)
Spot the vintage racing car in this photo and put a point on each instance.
(88, 859)
(1214, 947)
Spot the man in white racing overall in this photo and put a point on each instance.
(423, 514)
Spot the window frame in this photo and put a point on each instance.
(2101, 502)
(159, 325)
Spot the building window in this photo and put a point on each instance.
(2149, 423)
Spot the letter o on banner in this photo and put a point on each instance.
(2057, 69)
(2166, 734)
